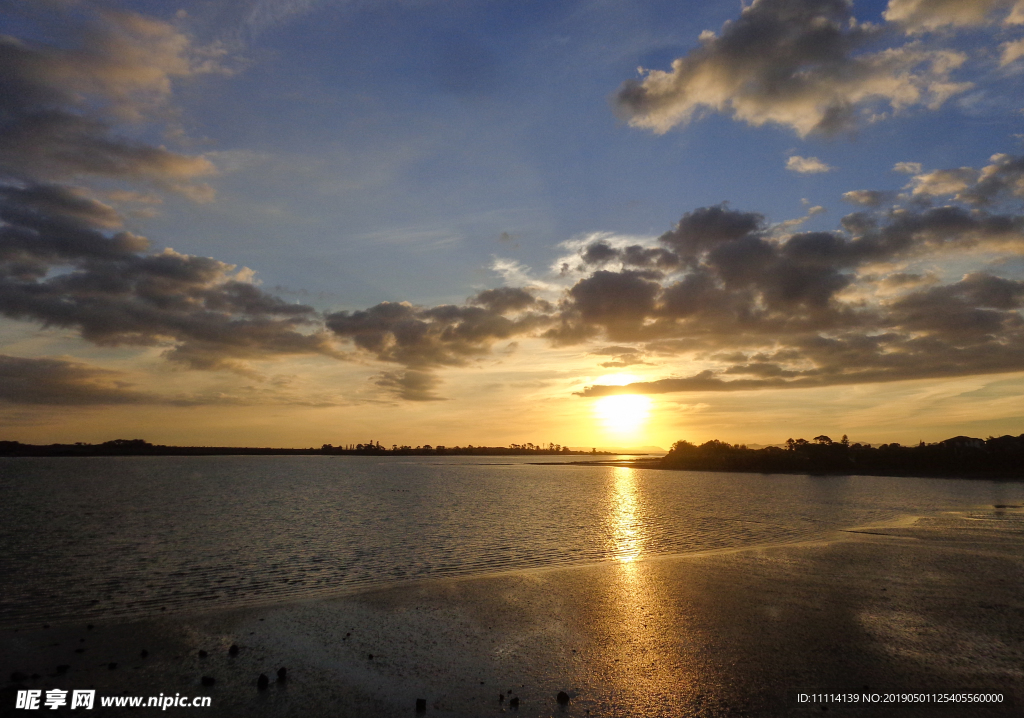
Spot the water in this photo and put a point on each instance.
(137, 536)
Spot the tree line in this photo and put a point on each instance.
(960, 456)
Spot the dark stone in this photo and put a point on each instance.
(233, 651)
(421, 705)
(203, 654)
(501, 698)
(562, 698)
(79, 650)
(63, 668)
(46, 625)
(144, 653)
(369, 656)
(262, 682)
(208, 680)
(111, 666)
(18, 677)
(282, 674)
(89, 627)
(513, 702)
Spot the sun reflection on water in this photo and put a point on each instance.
(647, 646)
(626, 518)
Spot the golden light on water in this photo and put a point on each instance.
(626, 517)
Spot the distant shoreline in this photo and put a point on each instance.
(138, 447)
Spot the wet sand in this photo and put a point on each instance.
(932, 606)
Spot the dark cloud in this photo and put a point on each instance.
(59, 107)
(805, 310)
(65, 260)
(598, 253)
(801, 64)
(867, 198)
(426, 338)
(705, 228)
(621, 357)
(508, 299)
(1000, 180)
(202, 308)
(411, 384)
(64, 383)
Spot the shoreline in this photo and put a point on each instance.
(932, 605)
(656, 464)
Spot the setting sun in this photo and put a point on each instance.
(623, 413)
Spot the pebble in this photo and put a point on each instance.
(421, 705)
(208, 680)
(562, 698)
(282, 674)
(233, 651)
(262, 682)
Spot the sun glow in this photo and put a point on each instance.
(623, 413)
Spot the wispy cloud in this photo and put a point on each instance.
(807, 165)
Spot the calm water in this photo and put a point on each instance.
(102, 537)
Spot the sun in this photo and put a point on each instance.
(623, 414)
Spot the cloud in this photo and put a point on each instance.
(1011, 52)
(64, 383)
(867, 197)
(207, 312)
(910, 168)
(65, 259)
(793, 63)
(972, 326)
(943, 182)
(621, 357)
(1000, 180)
(411, 385)
(929, 15)
(423, 339)
(59, 107)
(761, 309)
(807, 165)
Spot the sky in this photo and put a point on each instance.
(593, 223)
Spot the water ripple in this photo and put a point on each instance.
(96, 538)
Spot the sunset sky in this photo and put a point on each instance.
(297, 222)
